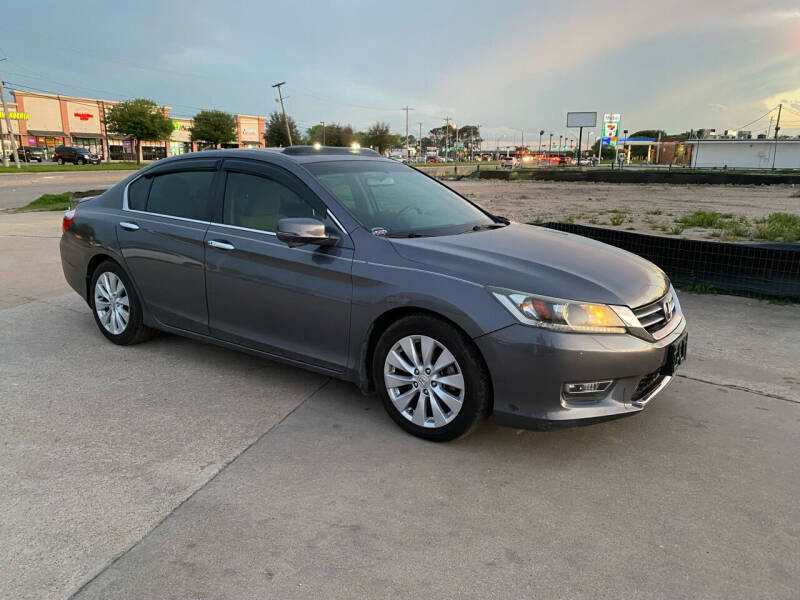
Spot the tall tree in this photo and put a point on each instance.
(141, 119)
(213, 126)
(276, 136)
(335, 134)
(379, 137)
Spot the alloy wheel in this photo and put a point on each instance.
(424, 381)
(112, 303)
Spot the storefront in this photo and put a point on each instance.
(249, 131)
(56, 120)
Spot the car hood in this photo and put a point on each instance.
(541, 261)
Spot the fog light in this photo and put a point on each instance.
(586, 387)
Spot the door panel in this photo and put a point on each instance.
(262, 294)
(166, 257)
(289, 301)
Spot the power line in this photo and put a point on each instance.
(758, 119)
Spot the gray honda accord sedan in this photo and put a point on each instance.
(362, 268)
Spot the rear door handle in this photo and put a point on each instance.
(128, 225)
(221, 245)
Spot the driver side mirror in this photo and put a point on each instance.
(298, 231)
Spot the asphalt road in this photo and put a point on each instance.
(17, 189)
(175, 469)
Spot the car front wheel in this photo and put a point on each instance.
(116, 308)
(431, 378)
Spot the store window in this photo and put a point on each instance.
(91, 144)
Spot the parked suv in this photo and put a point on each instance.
(77, 156)
(31, 153)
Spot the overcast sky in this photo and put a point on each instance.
(509, 66)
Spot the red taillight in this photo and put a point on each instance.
(69, 217)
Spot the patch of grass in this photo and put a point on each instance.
(781, 301)
(699, 288)
(654, 212)
(778, 227)
(676, 229)
(593, 220)
(728, 226)
(795, 195)
(617, 218)
(47, 202)
(568, 219)
(47, 167)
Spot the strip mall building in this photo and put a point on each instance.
(48, 121)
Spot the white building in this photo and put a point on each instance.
(746, 154)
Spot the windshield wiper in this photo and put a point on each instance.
(489, 226)
(406, 235)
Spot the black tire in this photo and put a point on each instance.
(80, 161)
(135, 331)
(478, 389)
(60, 161)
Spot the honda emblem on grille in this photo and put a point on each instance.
(667, 309)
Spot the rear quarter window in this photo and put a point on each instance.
(137, 193)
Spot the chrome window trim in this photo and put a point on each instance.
(238, 227)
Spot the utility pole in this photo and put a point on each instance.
(522, 140)
(658, 147)
(550, 146)
(408, 150)
(421, 155)
(8, 127)
(323, 132)
(447, 137)
(283, 109)
(106, 147)
(774, 152)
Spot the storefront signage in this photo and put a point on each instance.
(84, 116)
(248, 130)
(16, 115)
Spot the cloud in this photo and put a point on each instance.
(721, 107)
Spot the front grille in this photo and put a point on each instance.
(657, 314)
(647, 384)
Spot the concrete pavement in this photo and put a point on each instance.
(17, 189)
(175, 469)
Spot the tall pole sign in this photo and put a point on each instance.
(610, 129)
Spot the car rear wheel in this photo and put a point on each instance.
(116, 308)
(60, 161)
(431, 378)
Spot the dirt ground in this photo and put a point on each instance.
(644, 208)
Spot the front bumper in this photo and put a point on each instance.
(529, 366)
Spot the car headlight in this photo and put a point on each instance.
(560, 315)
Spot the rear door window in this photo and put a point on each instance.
(184, 194)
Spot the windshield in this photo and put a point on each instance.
(397, 198)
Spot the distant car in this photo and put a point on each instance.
(564, 160)
(434, 159)
(508, 161)
(76, 156)
(31, 153)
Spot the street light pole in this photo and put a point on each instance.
(323, 132)
(550, 146)
(408, 150)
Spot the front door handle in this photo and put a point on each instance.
(128, 225)
(221, 245)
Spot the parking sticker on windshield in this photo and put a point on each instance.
(379, 231)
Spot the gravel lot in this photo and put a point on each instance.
(528, 201)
